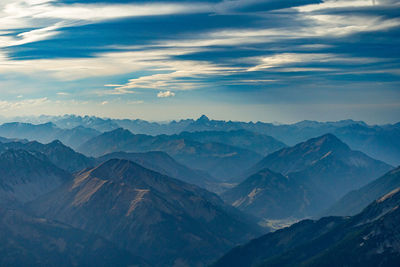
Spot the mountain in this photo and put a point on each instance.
(317, 173)
(371, 238)
(92, 122)
(377, 141)
(163, 163)
(267, 194)
(262, 144)
(25, 176)
(166, 221)
(381, 142)
(220, 160)
(354, 201)
(60, 155)
(30, 241)
(47, 132)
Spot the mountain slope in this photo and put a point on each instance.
(268, 194)
(381, 142)
(60, 155)
(220, 160)
(163, 163)
(25, 176)
(29, 241)
(160, 218)
(354, 201)
(318, 172)
(371, 238)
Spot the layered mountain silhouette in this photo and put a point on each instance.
(356, 200)
(220, 160)
(47, 132)
(25, 176)
(370, 238)
(166, 221)
(380, 142)
(60, 155)
(260, 143)
(317, 173)
(30, 241)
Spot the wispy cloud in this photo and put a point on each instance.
(22, 104)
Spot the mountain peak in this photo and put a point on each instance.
(326, 141)
(120, 169)
(203, 118)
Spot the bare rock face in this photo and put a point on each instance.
(160, 218)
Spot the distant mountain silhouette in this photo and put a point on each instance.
(318, 172)
(371, 238)
(160, 218)
(380, 142)
(354, 201)
(47, 132)
(220, 160)
(262, 144)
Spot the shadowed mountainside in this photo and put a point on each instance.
(371, 238)
(164, 220)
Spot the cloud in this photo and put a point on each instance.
(23, 104)
(284, 59)
(62, 93)
(163, 94)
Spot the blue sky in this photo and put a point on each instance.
(268, 60)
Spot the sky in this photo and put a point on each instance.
(267, 60)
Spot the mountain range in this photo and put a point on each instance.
(370, 238)
(378, 141)
(303, 180)
(88, 191)
(166, 221)
(47, 132)
(220, 160)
